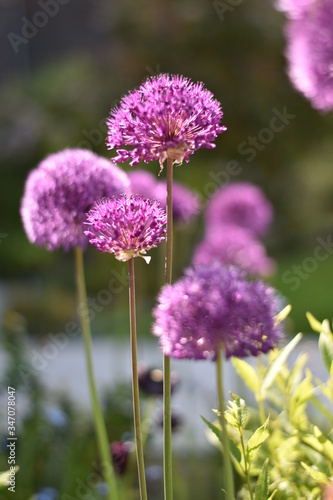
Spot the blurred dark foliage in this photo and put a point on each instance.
(58, 86)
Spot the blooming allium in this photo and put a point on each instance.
(310, 53)
(143, 183)
(185, 204)
(212, 307)
(166, 117)
(126, 226)
(235, 245)
(60, 191)
(242, 204)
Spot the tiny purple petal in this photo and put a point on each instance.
(60, 191)
(167, 116)
(126, 226)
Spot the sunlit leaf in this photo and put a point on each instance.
(314, 323)
(275, 367)
(247, 373)
(326, 348)
(318, 476)
(258, 438)
(216, 430)
(282, 314)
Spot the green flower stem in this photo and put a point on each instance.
(102, 438)
(167, 447)
(135, 383)
(229, 481)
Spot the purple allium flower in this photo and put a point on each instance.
(60, 191)
(212, 307)
(167, 116)
(143, 183)
(126, 226)
(230, 244)
(120, 454)
(185, 204)
(310, 53)
(242, 204)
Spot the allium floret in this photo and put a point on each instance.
(215, 307)
(168, 116)
(126, 226)
(60, 191)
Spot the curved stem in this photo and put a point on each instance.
(135, 384)
(167, 448)
(229, 482)
(102, 438)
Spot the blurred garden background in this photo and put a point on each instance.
(62, 72)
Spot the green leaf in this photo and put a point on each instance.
(216, 430)
(282, 314)
(236, 412)
(235, 451)
(258, 438)
(247, 373)
(275, 367)
(318, 476)
(261, 491)
(314, 323)
(326, 348)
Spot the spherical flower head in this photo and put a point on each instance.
(234, 245)
(242, 204)
(126, 226)
(212, 307)
(60, 191)
(185, 204)
(310, 54)
(166, 117)
(151, 381)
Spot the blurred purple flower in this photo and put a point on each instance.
(185, 204)
(167, 116)
(310, 53)
(212, 307)
(143, 183)
(60, 191)
(242, 204)
(120, 454)
(126, 226)
(235, 245)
